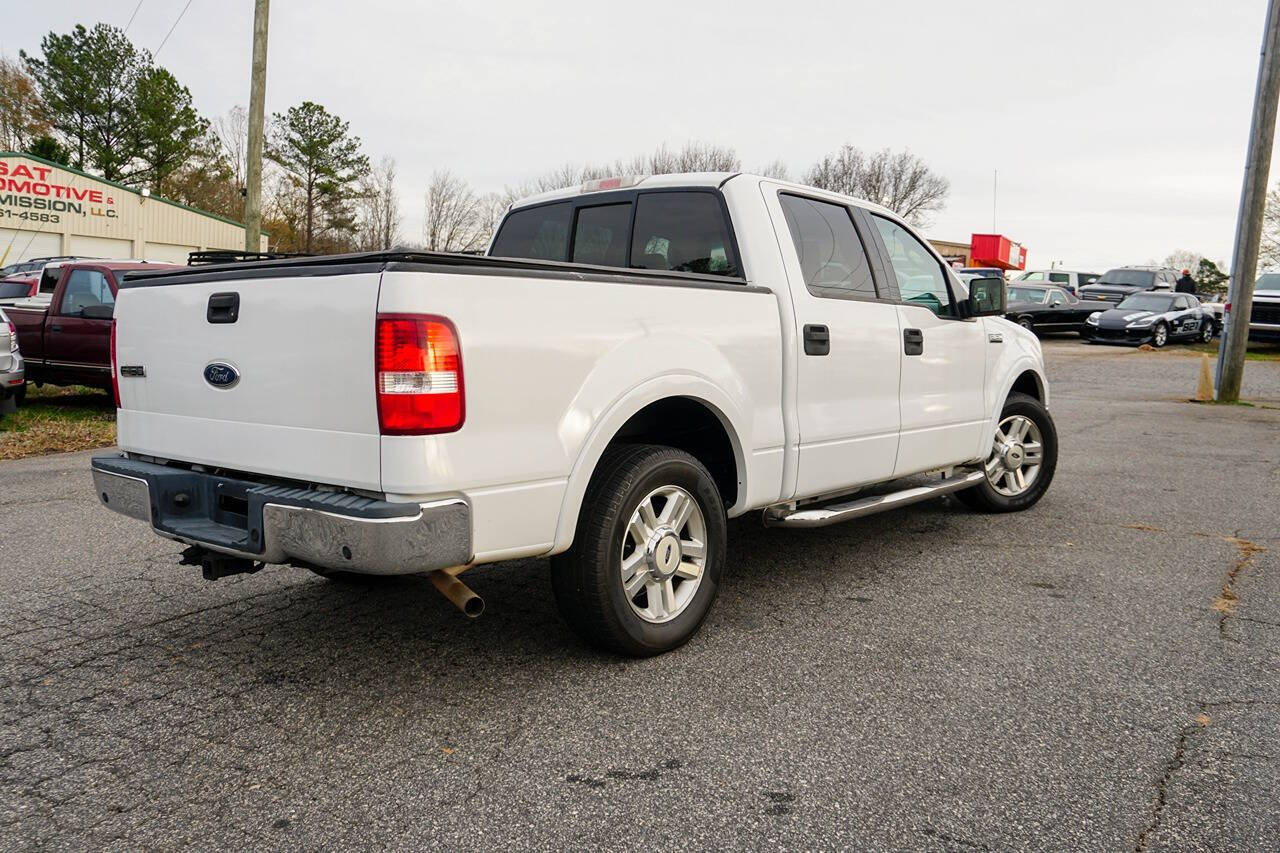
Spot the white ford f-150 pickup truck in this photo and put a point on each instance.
(633, 362)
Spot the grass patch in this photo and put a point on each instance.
(58, 420)
(1254, 352)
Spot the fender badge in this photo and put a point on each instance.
(219, 374)
(132, 370)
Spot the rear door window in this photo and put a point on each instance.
(601, 235)
(1061, 277)
(538, 233)
(682, 231)
(832, 257)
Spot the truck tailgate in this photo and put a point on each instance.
(299, 401)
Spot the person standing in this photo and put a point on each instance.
(1186, 284)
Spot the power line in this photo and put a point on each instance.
(134, 15)
(174, 27)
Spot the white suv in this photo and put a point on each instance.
(1066, 279)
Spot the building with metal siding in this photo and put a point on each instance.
(47, 209)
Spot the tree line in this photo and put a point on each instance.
(92, 100)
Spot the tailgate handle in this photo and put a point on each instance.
(223, 308)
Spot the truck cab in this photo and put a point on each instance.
(65, 328)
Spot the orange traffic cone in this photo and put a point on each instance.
(1204, 389)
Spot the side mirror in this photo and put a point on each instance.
(986, 297)
(98, 312)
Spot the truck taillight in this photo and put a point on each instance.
(115, 366)
(418, 374)
(13, 337)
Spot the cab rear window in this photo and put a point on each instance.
(537, 233)
(673, 231)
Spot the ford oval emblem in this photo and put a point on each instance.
(219, 374)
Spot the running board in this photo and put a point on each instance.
(836, 513)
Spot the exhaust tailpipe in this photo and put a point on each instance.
(462, 596)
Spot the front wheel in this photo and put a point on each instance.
(1023, 457)
(648, 552)
(1160, 335)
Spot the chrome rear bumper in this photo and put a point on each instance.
(285, 524)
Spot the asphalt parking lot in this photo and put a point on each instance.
(1102, 672)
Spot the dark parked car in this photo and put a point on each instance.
(1156, 318)
(1046, 309)
(35, 264)
(1115, 285)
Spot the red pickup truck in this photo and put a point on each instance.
(64, 331)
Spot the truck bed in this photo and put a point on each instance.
(546, 351)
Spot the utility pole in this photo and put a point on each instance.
(1253, 199)
(257, 105)
(995, 192)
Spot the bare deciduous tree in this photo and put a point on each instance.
(1183, 259)
(229, 137)
(775, 168)
(899, 180)
(1269, 249)
(692, 157)
(456, 218)
(378, 211)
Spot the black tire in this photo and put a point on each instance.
(1156, 335)
(984, 498)
(586, 579)
(1025, 322)
(1206, 331)
(20, 396)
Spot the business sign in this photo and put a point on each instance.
(31, 193)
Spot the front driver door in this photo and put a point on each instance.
(78, 347)
(944, 358)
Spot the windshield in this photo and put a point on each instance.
(1027, 294)
(1131, 278)
(1145, 302)
(1270, 281)
(14, 289)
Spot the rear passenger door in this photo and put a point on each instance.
(944, 357)
(847, 329)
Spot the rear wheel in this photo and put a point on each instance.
(648, 552)
(1023, 457)
(1025, 322)
(1206, 330)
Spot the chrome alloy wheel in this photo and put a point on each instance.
(1160, 336)
(1016, 455)
(664, 554)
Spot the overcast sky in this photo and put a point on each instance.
(1118, 126)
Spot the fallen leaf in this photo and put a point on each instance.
(1203, 719)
